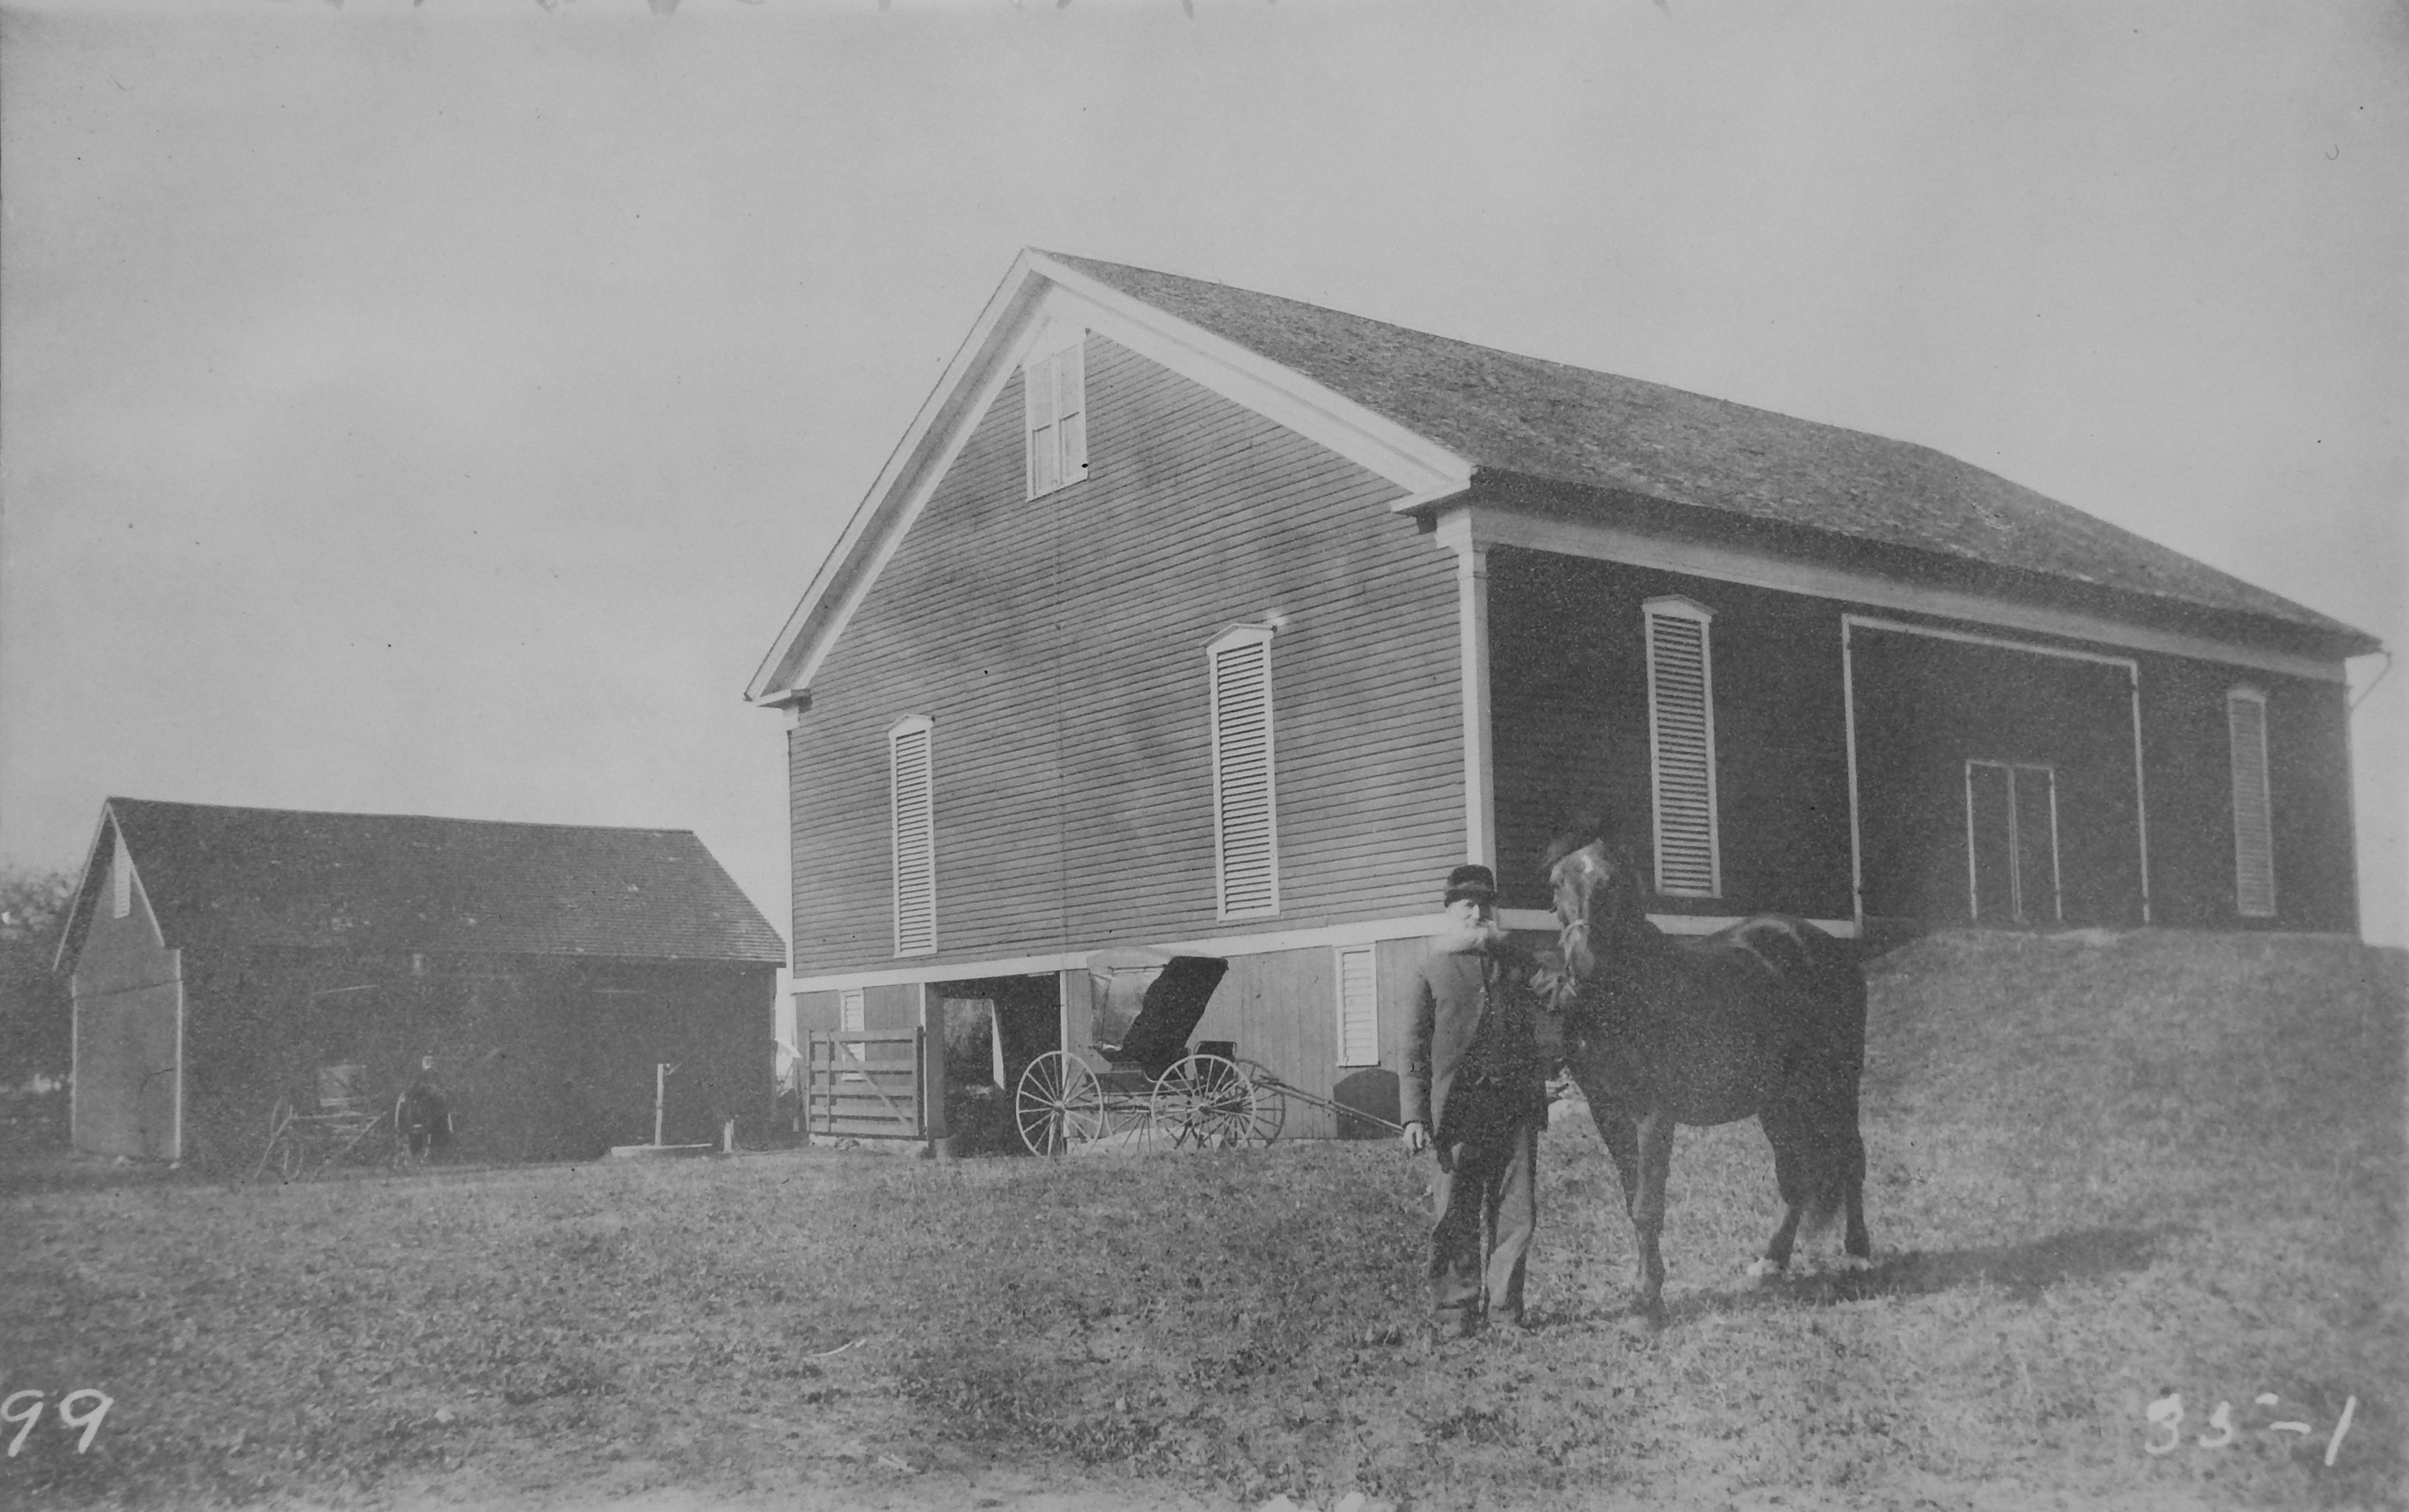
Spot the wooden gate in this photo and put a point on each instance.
(866, 1083)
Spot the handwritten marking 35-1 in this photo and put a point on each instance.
(2167, 1413)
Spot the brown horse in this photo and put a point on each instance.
(1765, 1019)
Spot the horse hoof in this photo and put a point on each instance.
(1857, 1262)
(1768, 1271)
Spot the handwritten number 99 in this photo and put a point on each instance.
(87, 1417)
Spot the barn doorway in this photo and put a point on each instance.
(1993, 782)
(994, 1026)
(2011, 870)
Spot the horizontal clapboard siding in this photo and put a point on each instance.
(1058, 646)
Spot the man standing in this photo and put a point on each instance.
(1475, 1091)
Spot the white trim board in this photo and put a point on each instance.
(1454, 536)
(1367, 931)
(1489, 525)
(1527, 919)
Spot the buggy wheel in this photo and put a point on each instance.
(1204, 1102)
(1271, 1102)
(1059, 1105)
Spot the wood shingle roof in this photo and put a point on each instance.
(1713, 462)
(399, 883)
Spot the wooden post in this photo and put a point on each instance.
(932, 1063)
(1077, 1025)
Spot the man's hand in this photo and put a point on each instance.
(1417, 1137)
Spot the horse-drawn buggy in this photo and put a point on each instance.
(1154, 1092)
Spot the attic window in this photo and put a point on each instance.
(1056, 416)
(120, 882)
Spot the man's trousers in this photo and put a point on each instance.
(1487, 1200)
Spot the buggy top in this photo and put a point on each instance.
(1174, 1004)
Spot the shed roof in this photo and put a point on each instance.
(1550, 422)
(387, 883)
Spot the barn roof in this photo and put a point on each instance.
(1545, 420)
(385, 882)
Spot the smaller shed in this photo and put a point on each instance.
(228, 958)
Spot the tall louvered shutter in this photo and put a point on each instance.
(912, 778)
(1359, 1014)
(1682, 740)
(1246, 847)
(2254, 838)
(121, 881)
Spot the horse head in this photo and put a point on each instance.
(1598, 901)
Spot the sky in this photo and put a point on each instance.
(439, 408)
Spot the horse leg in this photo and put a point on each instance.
(1621, 1137)
(1857, 1245)
(1789, 1174)
(1655, 1139)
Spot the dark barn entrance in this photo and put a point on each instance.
(1995, 781)
(994, 1026)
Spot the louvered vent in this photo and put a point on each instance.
(1245, 844)
(2254, 838)
(913, 777)
(1681, 738)
(1359, 1014)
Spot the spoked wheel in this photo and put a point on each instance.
(1271, 1103)
(1205, 1103)
(1060, 1107)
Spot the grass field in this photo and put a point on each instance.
(2105, 1171)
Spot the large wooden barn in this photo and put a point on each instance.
(228, 958)
(1202, 621)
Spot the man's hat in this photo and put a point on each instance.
(1471, 882)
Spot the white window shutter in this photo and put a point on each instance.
(1245, 841)
(912, 783)
(1682, 748)
(1045, 456)
(2254, 837)
(1071, 412)
(1054, 407)
(121, 881)
(1358, 1006)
